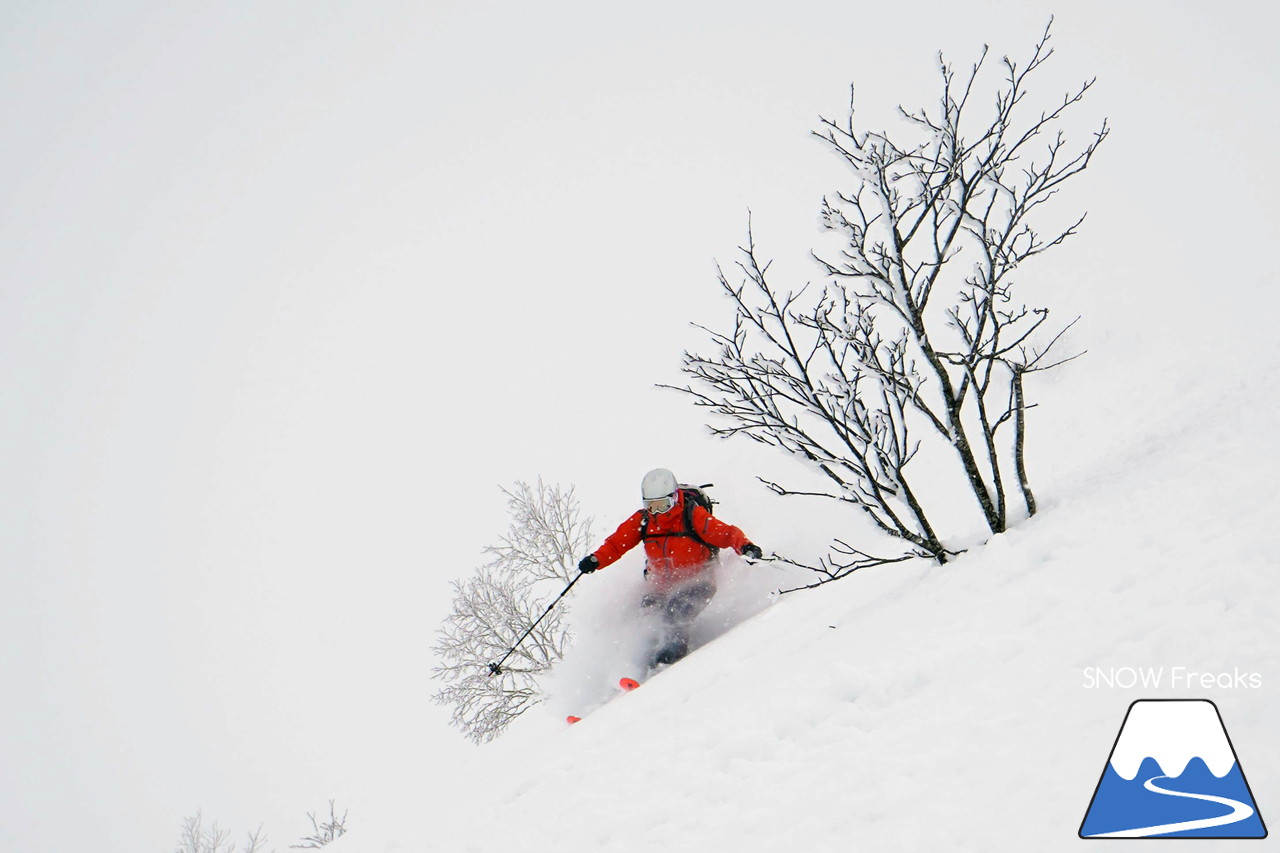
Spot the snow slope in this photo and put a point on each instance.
(291, 288)
(927, 708)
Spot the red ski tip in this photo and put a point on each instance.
(628, 684)
(572, 719)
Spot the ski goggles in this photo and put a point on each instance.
(657, 506)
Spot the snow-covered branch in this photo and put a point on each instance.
(495, 607)
(918, 338)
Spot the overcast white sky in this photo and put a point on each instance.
(288, 290)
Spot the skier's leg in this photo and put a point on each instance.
(677, 616)
(653, 605)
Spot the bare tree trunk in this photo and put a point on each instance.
(1020, 441)
(929, 541)
(960, 441)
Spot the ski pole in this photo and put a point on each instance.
(496, 668)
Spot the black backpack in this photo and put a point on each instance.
(692, 495)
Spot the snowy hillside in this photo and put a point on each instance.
(926, 707)
(291, 290)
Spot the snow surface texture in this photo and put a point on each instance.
(925, 707)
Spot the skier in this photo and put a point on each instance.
(681, 542)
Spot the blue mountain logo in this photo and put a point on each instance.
(1173, 773)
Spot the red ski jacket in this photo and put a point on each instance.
(671, 556)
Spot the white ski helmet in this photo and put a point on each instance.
(658, 490)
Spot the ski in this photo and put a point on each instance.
(627, 685)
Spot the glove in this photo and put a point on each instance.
(589, 564)
(752, 551)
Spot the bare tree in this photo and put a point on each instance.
(917, 340)
(323, 831)
(196, 838)
(504, 598)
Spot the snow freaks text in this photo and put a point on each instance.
(1171, 677)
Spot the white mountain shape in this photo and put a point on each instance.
(1172, 732)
